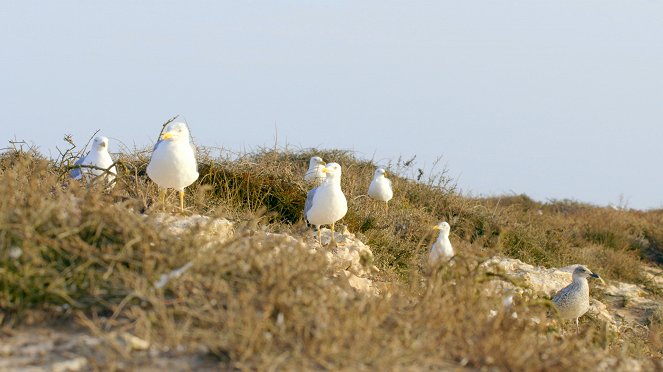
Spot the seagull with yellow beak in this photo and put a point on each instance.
(100, 162)
(380, 188)
(441, 249)
(314, 174)
(173, 164)
(326, 204)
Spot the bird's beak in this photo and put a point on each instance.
(323, 163)
(436, 227)
(596, 276)
(325, 170)
(167, 135)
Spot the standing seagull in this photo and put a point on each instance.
(314, 174)
(442, 248)
(173, 163)
(380, 188)
(326, 204)
(99, 158)
(572, 301)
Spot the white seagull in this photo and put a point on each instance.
(572, 301)
(100, 159)
(314, 174)
(326, 204)
(380, 188)
(173, 163)
(442, 248)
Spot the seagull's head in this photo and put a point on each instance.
(583, 272)
(443, 227)
(315, 161)
(100, 143)
(175, 132)
(380, 172)
(333, 170)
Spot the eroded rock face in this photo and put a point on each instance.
(351, 253)
(538, 279)
(218, 229)
(59, 350)
(351, 259)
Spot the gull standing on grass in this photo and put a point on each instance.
(442, 248)
(326, 204)
(314, 174)
(572, 301)
(380, 188)
(99, 158)
(173, 163)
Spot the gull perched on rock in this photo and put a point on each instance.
(326, 204)
(99, 159)
(173, 163)
(380, 188)
(442, 248)
(314, 174)
(572, 301)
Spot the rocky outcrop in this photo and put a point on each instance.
(351, 259)
(209, 228)
(620, 304)
(59, 350)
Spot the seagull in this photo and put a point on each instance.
(442, 248)
(326, 204)
(314, 174)
(100, 159)
(380, 188)
(173, 163)
(572, 301)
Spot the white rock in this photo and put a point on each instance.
(72, 365)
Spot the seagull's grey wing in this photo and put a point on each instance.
(156, 145)
(76, 172)
(195, 154)
(560, 297)
(309, 201)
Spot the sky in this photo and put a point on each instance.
(555, 99)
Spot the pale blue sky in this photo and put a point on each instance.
(555, 99)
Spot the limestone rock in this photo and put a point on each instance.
(622, 303)
(218, 229)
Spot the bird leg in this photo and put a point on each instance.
(332, 242)
(577, 327)
(387, 205)
(319, 235)
(182, 200)
(162, 196)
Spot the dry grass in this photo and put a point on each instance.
(259, 302)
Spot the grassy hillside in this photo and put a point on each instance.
(77, 253)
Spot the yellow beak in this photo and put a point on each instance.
(325, 170)
(436, 227)
(167, 135)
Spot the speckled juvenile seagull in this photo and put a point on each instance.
(572, 301)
